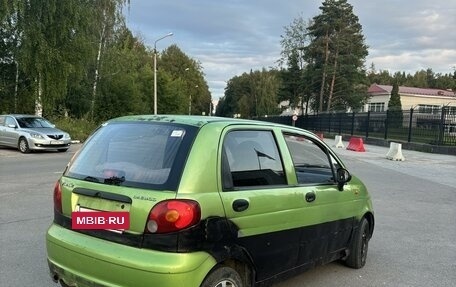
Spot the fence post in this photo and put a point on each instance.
(367, 123)
(441, 127)
(320, 121)
(353, 124)
(409, 139)
(329, 123)
(386, 124)
(340, 123)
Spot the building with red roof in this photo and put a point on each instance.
(422, 100)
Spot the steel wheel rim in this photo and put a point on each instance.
(226, 283)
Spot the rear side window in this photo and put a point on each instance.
(9, 121)
(135, 154)
(251, 158)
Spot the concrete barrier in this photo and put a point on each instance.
(395, 152)
(338, 142)
(356, 144)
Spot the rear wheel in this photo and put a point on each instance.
(23, 145)
(223, 277)
(359, 246)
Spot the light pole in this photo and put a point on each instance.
(210, 107)
(190, 102)
(155, 70)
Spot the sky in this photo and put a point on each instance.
(230, 37)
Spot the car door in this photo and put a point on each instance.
(2, 129)
(10, 132)
(258, 200)
(327, 212)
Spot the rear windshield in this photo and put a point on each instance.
(136, 154)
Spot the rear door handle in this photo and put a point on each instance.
(310, 196)
(240, 205)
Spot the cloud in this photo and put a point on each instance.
(411, 62)
(234, 36)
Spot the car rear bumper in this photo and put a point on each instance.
(83, 261)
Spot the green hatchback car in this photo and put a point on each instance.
(208, 201)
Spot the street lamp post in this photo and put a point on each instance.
(155, 70)
(210, 107)
(190, 102)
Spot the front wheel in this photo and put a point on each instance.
(223, 277)
(23, 145)
(359, 246)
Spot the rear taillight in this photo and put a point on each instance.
(173, 215)
(58, 197)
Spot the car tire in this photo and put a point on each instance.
(359, 246)
(223, 276)
(62, 150)
(23, 145)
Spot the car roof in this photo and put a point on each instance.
(22, 116)
(197, 121)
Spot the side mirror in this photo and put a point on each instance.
(12, 126)
(343, 176)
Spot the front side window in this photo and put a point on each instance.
(134, 154)
(251, 158)
(312, 163)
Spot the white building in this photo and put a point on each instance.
(420, 99)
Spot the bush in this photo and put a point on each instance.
(79, 129)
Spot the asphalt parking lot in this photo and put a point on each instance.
(438, 168)
(413, 243)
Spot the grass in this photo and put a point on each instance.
(79, 129)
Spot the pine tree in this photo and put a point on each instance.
(337, 53)
(395, 116)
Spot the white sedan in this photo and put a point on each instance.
(28, 132)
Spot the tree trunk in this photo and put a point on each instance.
(16, 84)
(38, 99)
(323, 79)
(97, 65)
(333, 81)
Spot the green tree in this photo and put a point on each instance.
(264, 86)
(292, 85)
(251, 95)
(125, 78)
(337, 53)
(48, 31)
(53, 49)
(188, 77)
(107, 19)
(9, 69)
(395, 116)
(296, 79)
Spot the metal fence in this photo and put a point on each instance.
(436, 128)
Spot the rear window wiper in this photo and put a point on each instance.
(91, 178)
(114, 180)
